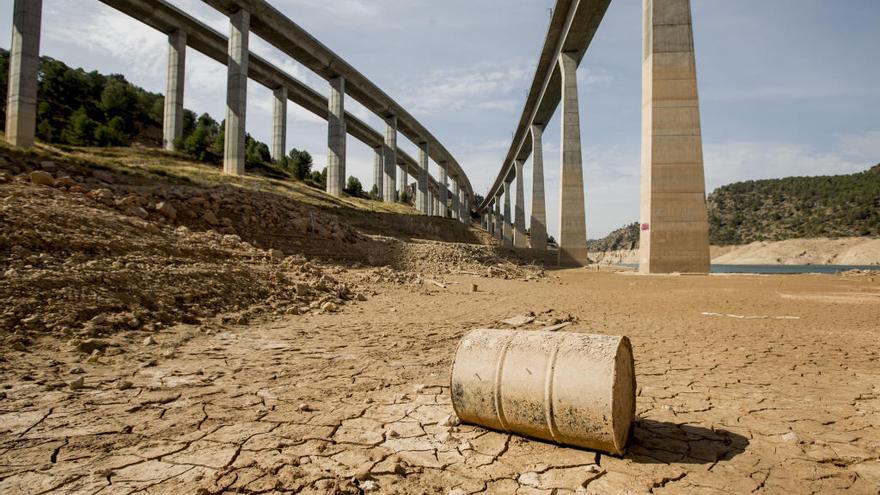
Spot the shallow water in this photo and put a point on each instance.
(781, 269)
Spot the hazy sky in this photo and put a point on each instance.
(788, 87)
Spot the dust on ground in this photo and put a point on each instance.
(766, 384)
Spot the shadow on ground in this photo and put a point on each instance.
(660, 442)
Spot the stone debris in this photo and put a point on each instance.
(518, 321)
(77, 384)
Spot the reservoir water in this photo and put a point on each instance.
(782, 269)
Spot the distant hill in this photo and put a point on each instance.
(780, 209)
(621, 239)
(796, 207)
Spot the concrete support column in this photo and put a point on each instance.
(456, 210)
(378, 170)
(444, 190)
(402, 178)
(437, 205)
(172, 123)
(279, 123)
(24, 65)
(389, 187)
(507, 232)
(674, 234)
(336, 135)
(499, 222)
(236, 93)
(572, 220)
(490, 218)
(422, 192)
(538, 222)
(466, 208)
(519, 220)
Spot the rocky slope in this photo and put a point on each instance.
(88, 249)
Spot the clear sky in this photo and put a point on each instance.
(788, 87)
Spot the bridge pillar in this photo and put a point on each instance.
(172, 122)
(499, 223)
(455, 191)
(336, 135)
(466, 212)
(279, 123)
(422, 193)
(389, 180)
(490, 218)
(508, 227)
(674, 228)
(444, 190)
(236, 93)
(378, 171)
(430, 210)
(402, 179)
(519, 226)
(572, 221)
(538, 222)
(24, 65)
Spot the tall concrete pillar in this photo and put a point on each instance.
(538, 222)
(499, 222)
(279, 123)
(674, 228)
(389, 188)
(172, 123)
(24, 65)
(466, 208)
(422, 193)
(236, 93)
(444, 190)
(402, 178)
(519, 220)
(507, 232)
(456, 210)
(379, 170)
(572, 221)
(490, 218)
(336, 135)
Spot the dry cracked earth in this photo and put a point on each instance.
(745, 385)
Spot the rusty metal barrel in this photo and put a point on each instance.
(570, 388)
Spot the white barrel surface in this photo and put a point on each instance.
(569, 388)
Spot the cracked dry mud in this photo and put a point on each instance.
(356, 401)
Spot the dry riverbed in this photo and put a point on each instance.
(732, 397)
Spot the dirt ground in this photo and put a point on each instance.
(732, 398)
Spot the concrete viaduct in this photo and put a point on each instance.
(674, 228)
(258, 16)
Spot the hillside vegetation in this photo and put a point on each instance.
(833, 206)
(796, 207)
(82, 108)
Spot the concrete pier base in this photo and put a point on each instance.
(572, 220)
(508, 226)
(674, 228)
(24, 65)
(336, 136)
(279, 123)
(538, 221)
(172, 122)
(389, 180)
(519, 218)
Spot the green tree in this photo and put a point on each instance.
(298, 163)
(256, 152)
(81, 130)
(354, 187)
